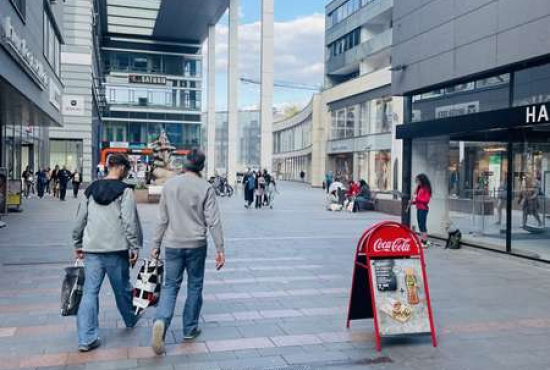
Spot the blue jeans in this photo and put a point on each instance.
(422, 217)
(177, 262)
(117, 267)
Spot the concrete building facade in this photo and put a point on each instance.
(359, 111)
(76, 144)
(31, 35)
(474, 76)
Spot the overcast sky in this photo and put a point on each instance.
(299, 55)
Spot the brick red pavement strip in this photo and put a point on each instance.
(132, 353)
(120, 354)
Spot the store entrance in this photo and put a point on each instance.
(480, 174)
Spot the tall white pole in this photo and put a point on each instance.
(233, 90)
(267, 71)
(211, 109)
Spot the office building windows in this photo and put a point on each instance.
(345, 43)
(52, 48)
(345, 10)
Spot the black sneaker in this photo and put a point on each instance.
(192, 336)
(90, 347)
(157, 342)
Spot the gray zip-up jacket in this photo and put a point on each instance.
(188, 209)
(107, 219)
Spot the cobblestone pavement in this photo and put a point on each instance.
(279, 304)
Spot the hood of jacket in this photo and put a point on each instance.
(105, 192)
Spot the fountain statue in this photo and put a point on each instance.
(162, 168)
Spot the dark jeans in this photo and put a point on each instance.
(177, 262)
(422, 217)
(40, 189)
(62, 191)
(117, 268)
(76, 187)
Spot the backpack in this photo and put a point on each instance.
(454, 239)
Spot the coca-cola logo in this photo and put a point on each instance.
(397, 245)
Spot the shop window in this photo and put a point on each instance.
(66, 153)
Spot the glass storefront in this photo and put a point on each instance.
(66, 153)
(181, 135)
(289, 168)
(493, 183)
(375, 168)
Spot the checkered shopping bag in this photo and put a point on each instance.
(148, 285)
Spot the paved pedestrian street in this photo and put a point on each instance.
(280, 303)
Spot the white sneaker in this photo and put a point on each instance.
(157, 343)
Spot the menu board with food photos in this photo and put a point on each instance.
(390, 284)
(401, 302)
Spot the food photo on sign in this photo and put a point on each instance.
(400, 298)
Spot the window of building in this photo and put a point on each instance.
(345, 43)
(345, 10)
(467, 98)
(531, 85)
(52, 48)
(21, 7)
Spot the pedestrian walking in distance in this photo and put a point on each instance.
(303, 176)
(55, 179)
(63, 177)
(187, 210)
(249, 186)
(76, 180)
(108, 237)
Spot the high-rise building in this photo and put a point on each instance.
(132, 70)
(75, 145)
(31, 36)
(248, 144)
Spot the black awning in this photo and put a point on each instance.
(502, 119)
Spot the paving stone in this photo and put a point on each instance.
(286, 284)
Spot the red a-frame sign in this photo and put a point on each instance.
(390, 284)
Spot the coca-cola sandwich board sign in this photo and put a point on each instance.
(390, 276)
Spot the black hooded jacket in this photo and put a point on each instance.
(105, 192)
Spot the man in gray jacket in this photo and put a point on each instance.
(108, 236)
(188, 209)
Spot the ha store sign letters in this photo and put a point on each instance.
(537, 114)
(390, 284)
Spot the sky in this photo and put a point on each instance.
(299, 52)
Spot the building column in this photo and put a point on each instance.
(267, 71)
(233, 90)
(211, 109)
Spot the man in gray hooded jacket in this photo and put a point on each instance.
(108, 237)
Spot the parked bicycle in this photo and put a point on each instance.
(222, 187)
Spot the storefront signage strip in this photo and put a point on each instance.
(501, 119)
(149, 80)
(18, 49)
